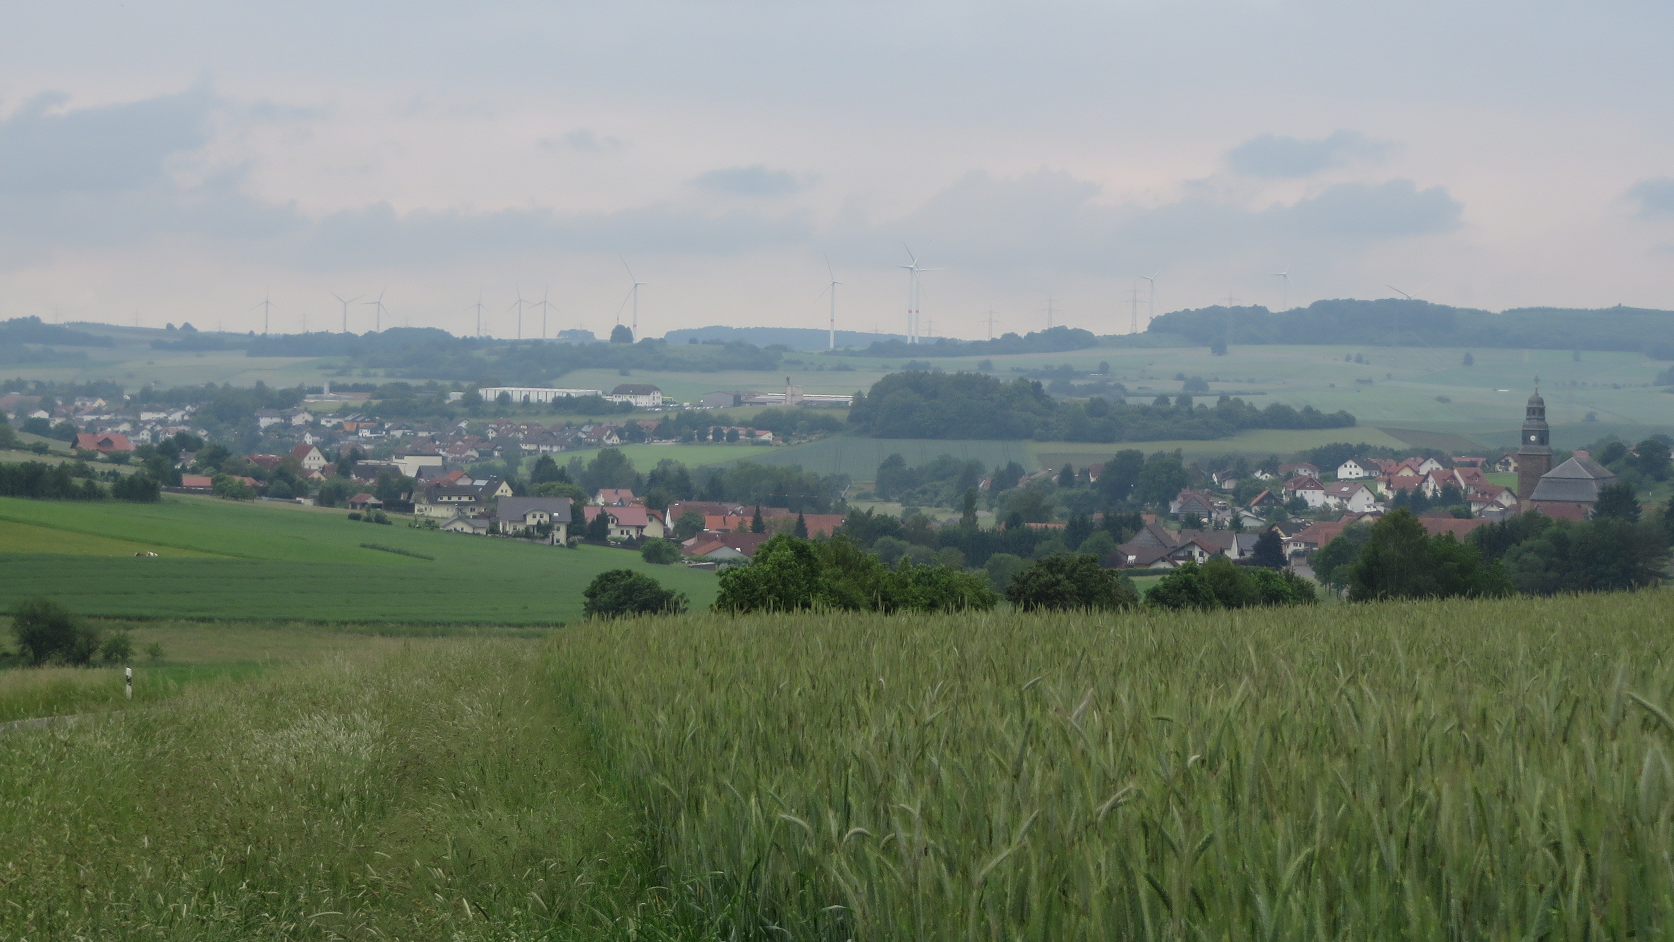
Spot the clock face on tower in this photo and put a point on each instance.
(1534, 438)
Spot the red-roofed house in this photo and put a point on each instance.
(1436, 526)
(720, 547)
(104, 443)
(196, 482)
(310, 457)
(616, 497)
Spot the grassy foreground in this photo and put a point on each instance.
(1461, 770)
(431, 792)
(1421, 771)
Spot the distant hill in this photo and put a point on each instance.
(796, 338)
(1400, 322)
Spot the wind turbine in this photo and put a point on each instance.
(266, 304)
(378, 310)
(1151, 299)
(832, 287)
(634, 294)
(478, 308)
(543, 305)
(519, 305)
(346, 302)
(913, 272)
(1284, 304)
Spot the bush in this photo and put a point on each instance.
(1070, 583)
(117, 649)
(141, 488)
(620, 593)
(154, 651)
(46, 632)
(660, 552)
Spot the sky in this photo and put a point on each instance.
(183, 161)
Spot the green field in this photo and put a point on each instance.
(282, 561)
(1437, 770)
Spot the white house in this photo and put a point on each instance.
(310, 456)
(1351, 496)
(1308, 488)
(641, 395)
(1356, 468)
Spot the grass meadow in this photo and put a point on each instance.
(1464, 770)
(224, 560)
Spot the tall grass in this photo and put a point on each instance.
(1459, 770)
(429, 793)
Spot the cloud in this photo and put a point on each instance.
(48, 149)
(1272, 156)
(1655, 196)
(1049, 219)
(378, 235)
(109, 175)
(585, 141)
(754, 180)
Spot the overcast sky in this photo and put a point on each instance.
(178, 160)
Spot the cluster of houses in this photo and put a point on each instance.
(105, 427)
(1357, 491)
(486, 507)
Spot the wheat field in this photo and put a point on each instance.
(1457, 770)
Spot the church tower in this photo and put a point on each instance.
(1534, 457)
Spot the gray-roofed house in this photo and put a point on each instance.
(1570, 490)
(523, 515)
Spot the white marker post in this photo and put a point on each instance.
(128, 673)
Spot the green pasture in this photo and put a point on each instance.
(282, 561)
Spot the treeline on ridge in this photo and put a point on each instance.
(1412, 323)
(974, 405)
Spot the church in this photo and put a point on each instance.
(1567, 492)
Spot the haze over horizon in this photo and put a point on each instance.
(178, 161)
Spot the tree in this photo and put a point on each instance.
(1617, 501)
(1002, 568)
(757, 524)
(1161, 479)
(968, 510)
(1269, 551)
(1469, 360)
(141, 488)
(1652, 458)
(782, 576)
(45, 631)
(598, 528)
(609, 468)
(659, 552)
(1401, 561)
(1066, 475)
(690, 524)
(1070, 583)
(1098, 546)
(546, 470)
(1185, 587)
(1605, 554)
(1080, 527)
(1121, 473)
(936, 589)
(621, 334)
(1331, 561)
(620, 593)
(801, 530)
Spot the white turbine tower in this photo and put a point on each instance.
(519, 305)
(266, 304)
(913, 272)
(832, 288)
(633, 293)
(346, 302)
(1151, 299)
(543, 304)
(378, 310)
(1284, 304)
